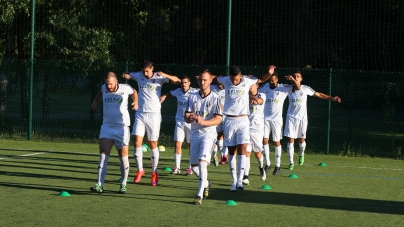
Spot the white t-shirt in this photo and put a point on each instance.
(236, 99)
(220, 92)
(149, 91)
(207, 107)
(182, 101)
(256, 116)
(298, 102)
(115, 113)
(275, 97)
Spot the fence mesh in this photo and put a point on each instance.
(353, 49)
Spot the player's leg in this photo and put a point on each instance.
(152, 124)
(276, 127)
(122, 146)
(138, 132)
(267, 132)
(105, 146)
(242, 140)
(230, 142)
(301, 139)
(206, 146)
(247, 165)
(187, 130)
(256, 146)
(179, 135)
(291, 132)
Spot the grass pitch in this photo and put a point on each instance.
(347, 192)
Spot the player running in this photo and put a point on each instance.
(182, 129)
(148, 116)
(296, 117)
(204, 113)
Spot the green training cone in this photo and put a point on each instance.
(322, 164)
(293, 176)
(231, 203)
(266, 187)
(168, 169)
(120, 180)
(64, 194)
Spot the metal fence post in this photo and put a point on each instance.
(329, 113)
(228, 36)
(31, 71)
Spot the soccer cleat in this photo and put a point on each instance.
(189, 172)
(138, 177)
(276, 170)
(267, 168)
(97, 188)
(122, 189)
(206, 190)
(291, 166)
(263, 175)
(301, 160)
(224, 158)
(176, 171)
(240, 186)
(233, 188)
(154, 179)
(215, 161)
(198, 200)
(245, 180)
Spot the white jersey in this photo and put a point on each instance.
(256, 116)
(220, 92)
(149, 91)
(236, 99)
(207, 107)
(115, 113)
(298, 102)
(275, 97)
(182, 101)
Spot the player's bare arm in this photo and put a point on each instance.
(211, 122)
(97, 98)
(189, 117)
(173, 79)
(266, 76)
(296, 83)
(126, 76)
(256, 100)
(134, 98)
(327, 97)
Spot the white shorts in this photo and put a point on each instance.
(220, 127)
(201, 148)
(120, 135)
(182, 131)
(295, 128)
(274, 127)
(147, 122)
(255, 144)
(236, 131)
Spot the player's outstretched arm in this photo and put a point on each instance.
(266, 76)
(211, 122)
(97, 98)
(296, 83)
(327, 97)
(134, 97)
(173, 79)
(126, 75)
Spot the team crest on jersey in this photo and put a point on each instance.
(205, 114)
(277, 93)
(207, 104)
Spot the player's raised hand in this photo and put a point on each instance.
(191, 117)
(126, 75)
(271, 69)
(199, 119)
(134, 106)
(336, 99)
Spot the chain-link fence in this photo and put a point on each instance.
(369, 121)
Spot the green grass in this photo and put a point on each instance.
(347, 192)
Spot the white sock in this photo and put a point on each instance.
(266, 155)
(102, 168)
(291, 152)
(154, 156)
(302, 147)
(203, 177)
(195, 169)
(241, 167)
(138, 154)
(124, 169)
(220, 146)
(177, 161)
(224, 151)
(260, 162)
(233, 171)
(278, 153)
(214, 151)
(247, 166)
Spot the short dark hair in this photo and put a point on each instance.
(146, 64)
(234, 70)
(185, 77)
(275, 74)
(297, 71)
(206, 71)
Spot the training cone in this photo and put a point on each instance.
(322, 164)
(120, 180)
(266, 187)
(64, 194)
(231, 203)
(168, 169)
(293, 176)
